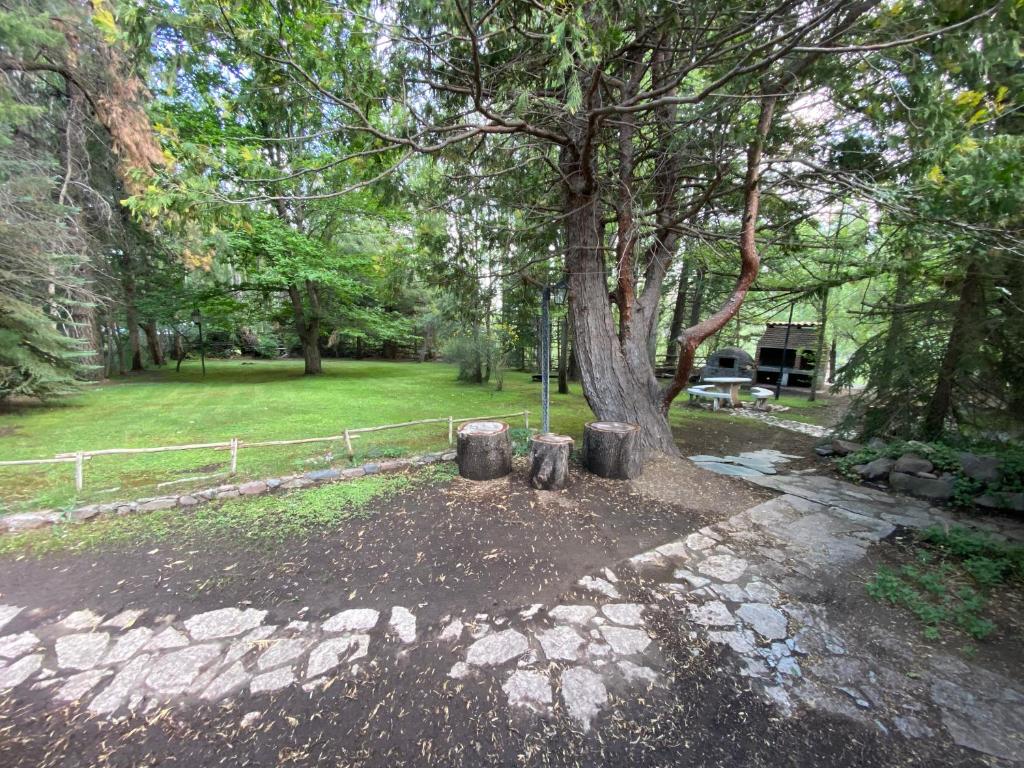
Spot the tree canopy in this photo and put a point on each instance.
(398, 178)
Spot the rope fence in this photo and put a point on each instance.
(78, 458)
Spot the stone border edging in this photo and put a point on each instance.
(28, 521)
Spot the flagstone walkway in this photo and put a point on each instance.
(756, 583)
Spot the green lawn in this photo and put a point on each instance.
(252, 401)
(804, 410)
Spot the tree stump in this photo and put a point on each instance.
(549, 461)
(612, 449)
(484, 451)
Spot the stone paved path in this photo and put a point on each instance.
(793, 426)
(752, 583)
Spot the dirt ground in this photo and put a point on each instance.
(492, 547)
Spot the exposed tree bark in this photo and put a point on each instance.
(131, 312)
(615, 390)
(613, 449)
(750, 260)
(819, 353)
(549, 461)
(700, 285)
(156, 349)
(179, 350)
(307, 325)
(563, 369)
(484, 451)
(572, 364)
(963, 339)
(114, 339)
(832, 361)
(678, 312)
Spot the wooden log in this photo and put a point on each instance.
(549, 461)
(612, 449)
(484, 451)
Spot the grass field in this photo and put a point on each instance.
(252, 401)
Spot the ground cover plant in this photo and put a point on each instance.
(949, 584)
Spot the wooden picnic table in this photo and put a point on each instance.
(730, 384)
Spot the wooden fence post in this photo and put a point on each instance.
(234, 455)
(348, 445)
(526, 418)
(451, 431)
(79, 471)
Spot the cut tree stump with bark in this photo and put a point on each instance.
(613, 449)
(484, 451)
(549, 461)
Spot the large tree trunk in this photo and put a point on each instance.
(832, 361)
(563, 372)
(700, 284)
(615, 390)
(678, 312)
(818, 379)
(750, 260)
(156, 349)
(962, 341)
(131, 314)
(307, 325)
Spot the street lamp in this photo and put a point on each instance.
(549, 293)
(197, 318)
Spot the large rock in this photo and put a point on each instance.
(842, 447)
(940, 489)
(878, 469)
(911, 463)
(984, 469)
(153, 505)
(1011, 501)
(28, 521)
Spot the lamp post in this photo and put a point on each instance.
(785, 350)
(197, 318)
(548, 294)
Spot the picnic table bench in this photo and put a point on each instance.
(708, 391)
(760, 395)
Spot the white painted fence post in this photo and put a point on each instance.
(234, 455)
(348, 445)
(79, 471)
(451, 431)
(526, 418)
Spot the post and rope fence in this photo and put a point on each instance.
(78, 458)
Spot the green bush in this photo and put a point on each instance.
(477, 356)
